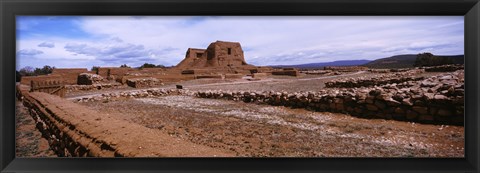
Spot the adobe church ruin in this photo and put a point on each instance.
(218, 54)
(220, 57)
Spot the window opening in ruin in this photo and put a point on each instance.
(229, 51)
(199, 55)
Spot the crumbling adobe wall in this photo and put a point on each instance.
(260, 75)
(143, 82)
(26, 80)
(219, 54)
(69, 75)
(89, 79)
(287, 72)
(234, 76)
(193, 58)
(75, 130)
(207, 76)
(115, 72)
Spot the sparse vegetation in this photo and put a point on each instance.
(95, 68)
(428, 59)
(29, 71)
(148, 65)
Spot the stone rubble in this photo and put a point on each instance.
(437, 99)
(99, 86)
(89, 79)
(389, 78)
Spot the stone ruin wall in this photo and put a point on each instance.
(93, 87)
(219, 58)
(221, 54)
(437, 100)
(418, 101)
(287, 72)
(74, 130)
(114, 72)
(193, 58)
(346, 68)
(144, 82)
(398, 77)
(444, 68)
(27, 80)
(69, 75)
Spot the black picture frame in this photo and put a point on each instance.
(10, 8)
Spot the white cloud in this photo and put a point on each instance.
(266, 40)
(47, 44)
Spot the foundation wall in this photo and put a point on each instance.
(74, 130)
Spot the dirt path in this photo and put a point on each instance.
(29, 141)
(262, 130)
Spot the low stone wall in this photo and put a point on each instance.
(70, 75)
(444, 68)
(99, 86)
(346, 68)
(286, 72)
(74, 130)
(390, 78)
(234, 76)
(153, 92)
(212, 76)
(89, 79)
(437, 100)
(260, 75)
(27, 80)
(143, 82)
(318, 72)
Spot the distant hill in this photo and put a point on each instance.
(324, 64)
(406, 61)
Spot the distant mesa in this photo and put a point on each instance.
(408, 61)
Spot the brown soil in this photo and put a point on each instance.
(29, 141)
(262, 130)
(247, 129)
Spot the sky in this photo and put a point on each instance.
(86, 41)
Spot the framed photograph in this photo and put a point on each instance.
(239, 86)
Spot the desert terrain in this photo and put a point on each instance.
(239, 110)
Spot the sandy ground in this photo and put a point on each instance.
(29, 141)
(262, 130)
(273, 131)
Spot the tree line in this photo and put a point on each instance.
(428, 59)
